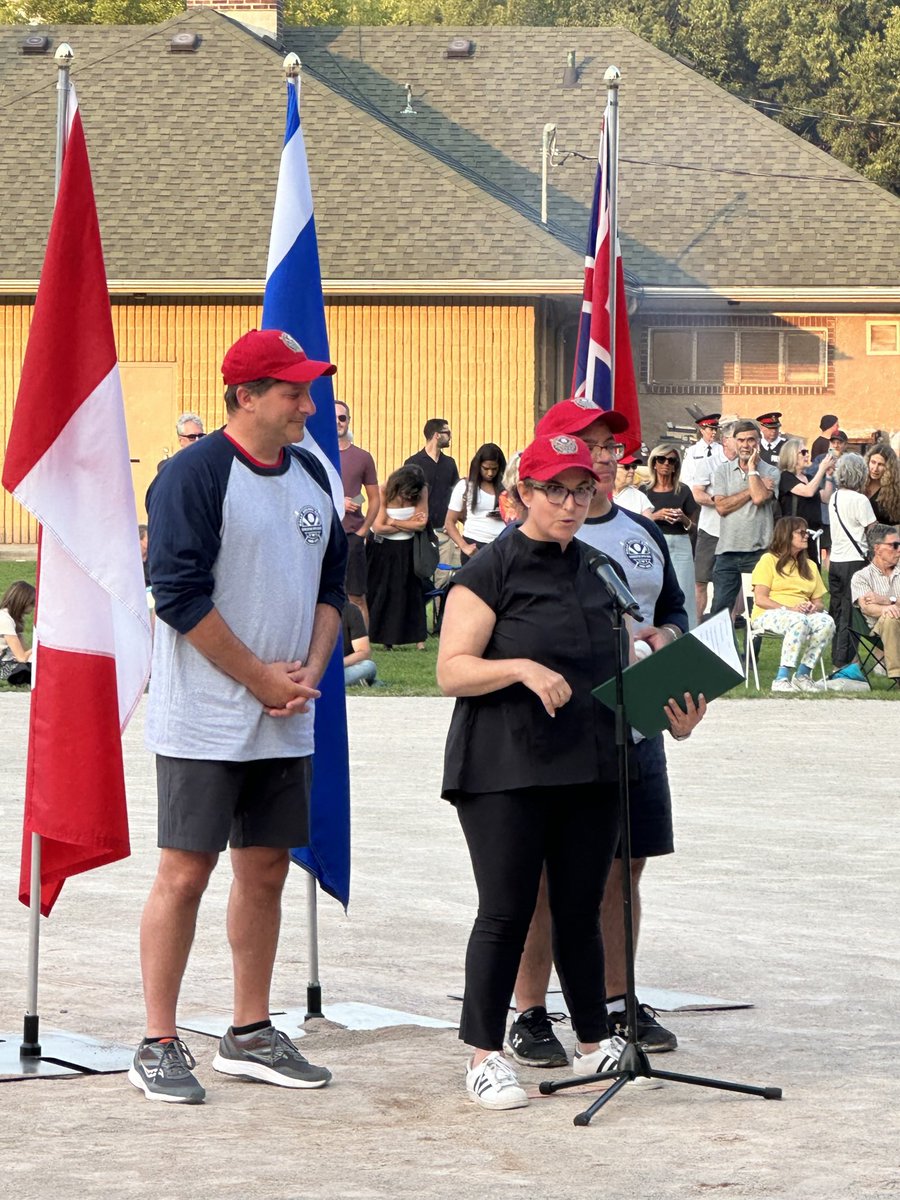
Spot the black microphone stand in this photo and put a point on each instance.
(633, 1061)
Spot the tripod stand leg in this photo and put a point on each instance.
(584, 1118)
(722, 1085)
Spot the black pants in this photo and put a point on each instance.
(510, 835)
(840, 607)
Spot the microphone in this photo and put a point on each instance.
(601, 565)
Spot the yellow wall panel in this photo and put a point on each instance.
(399, 363)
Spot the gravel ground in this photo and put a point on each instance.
(784, 892)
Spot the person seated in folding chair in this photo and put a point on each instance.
(787, 592)
(875, 591)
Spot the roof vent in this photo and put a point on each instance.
(36, 43)
(570, 74)
(460, 47)
(185, 43)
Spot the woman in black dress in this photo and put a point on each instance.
(530, 759)
(394, 592)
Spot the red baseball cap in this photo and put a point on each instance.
(271, 354)
(548, 456)
(571, 416)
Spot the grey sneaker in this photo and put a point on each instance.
(269, 1056)
(163, 1071)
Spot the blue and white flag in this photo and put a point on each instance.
(293, 302)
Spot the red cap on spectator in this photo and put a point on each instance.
(271, 354)
(571, 416)
(549, 456)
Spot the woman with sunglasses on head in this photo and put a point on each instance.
(674, 510)
(530, 759)
(800, 495)
(787, 593)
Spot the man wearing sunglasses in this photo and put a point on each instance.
(875, 590)
(188, 429)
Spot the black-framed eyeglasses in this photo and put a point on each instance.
(613, 448)
(558, 493)
(892, 545)
(192, 437)
(670, 459)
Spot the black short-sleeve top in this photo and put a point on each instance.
(552, 609)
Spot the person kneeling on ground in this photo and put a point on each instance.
(358, 664)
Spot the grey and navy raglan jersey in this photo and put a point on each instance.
(264, 546)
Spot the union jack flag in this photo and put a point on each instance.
(592, 376)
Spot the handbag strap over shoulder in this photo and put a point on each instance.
(860, 552)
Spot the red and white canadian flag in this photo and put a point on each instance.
(67, 462)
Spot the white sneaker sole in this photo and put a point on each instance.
(139, 1082)
(262, 1074)
(499, 1105)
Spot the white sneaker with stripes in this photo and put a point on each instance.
(606, 1058)
(494, 1083)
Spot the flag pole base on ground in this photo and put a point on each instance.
(61, 1053)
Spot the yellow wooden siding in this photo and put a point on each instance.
(398, 364)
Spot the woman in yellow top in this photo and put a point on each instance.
(787, 593)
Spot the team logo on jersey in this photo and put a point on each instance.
(309, 522)
(292, 343)
(585, 402)
(564, 445)
(638, 553)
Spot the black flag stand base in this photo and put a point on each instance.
(633, 1062)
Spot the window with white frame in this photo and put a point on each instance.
(883, 337)
(738, 357)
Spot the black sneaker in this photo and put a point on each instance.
(532, 1041)
(163, 1071)
(270, 1057)
(652, 1037)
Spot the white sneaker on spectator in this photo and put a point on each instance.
(782, 685)
(494, 1083)
(806, 683)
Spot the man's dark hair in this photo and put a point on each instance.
(878, 533)
(255, 386)
(433, 426)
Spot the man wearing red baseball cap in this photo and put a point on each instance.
(247, 560)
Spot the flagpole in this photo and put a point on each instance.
(292, 73)
(611, 79)
(31, 1047)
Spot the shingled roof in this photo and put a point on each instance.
(185, 149)
(712, 193)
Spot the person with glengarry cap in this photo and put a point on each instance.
(771, 438)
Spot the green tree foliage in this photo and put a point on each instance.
(88, 12)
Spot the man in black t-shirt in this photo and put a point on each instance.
(359, 666)
(439, 469)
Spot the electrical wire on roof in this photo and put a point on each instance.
(827, 115)
(562, 156)
(83, 67)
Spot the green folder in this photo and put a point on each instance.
(704, 660)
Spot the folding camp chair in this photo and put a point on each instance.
(868, 646)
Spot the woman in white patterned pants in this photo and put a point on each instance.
(788, 591)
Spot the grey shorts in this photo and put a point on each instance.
(206, 805)
(704, 557)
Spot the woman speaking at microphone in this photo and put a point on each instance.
(530, 759)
